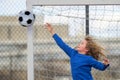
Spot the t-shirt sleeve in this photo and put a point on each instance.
(68, 50)
(97, 64)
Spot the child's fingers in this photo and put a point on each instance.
(106, 60)
(47, 25)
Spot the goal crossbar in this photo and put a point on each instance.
(31, 3)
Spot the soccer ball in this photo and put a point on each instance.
(26, 18)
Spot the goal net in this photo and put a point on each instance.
(69, 22)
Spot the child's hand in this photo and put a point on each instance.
(105, 61)
(49, 28)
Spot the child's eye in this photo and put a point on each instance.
(81, 42)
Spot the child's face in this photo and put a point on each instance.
(81, 47)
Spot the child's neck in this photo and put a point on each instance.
(82, 52)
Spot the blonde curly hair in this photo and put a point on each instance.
(94, 50)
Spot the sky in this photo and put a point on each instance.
(11, 7)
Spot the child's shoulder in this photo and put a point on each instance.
(90, 57)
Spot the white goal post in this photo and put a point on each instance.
(30, 3)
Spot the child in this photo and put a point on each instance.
(83, 57)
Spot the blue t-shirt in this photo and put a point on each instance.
(80, 64)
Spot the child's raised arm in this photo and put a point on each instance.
(68, 50)
(49, 28)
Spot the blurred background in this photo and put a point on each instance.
(50, 62)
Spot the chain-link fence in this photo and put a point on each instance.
(50, 62)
